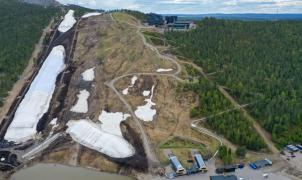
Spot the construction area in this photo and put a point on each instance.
(114, 107)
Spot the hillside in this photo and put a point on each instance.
(258, 63)
(21, 27)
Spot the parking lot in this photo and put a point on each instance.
(275, 172)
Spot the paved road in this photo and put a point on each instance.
(41, 147)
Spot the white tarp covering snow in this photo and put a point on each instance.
(88, 75)
(133, 80)
(82, 105)
(92, 136)
(37, 99)
(164, 70)
(68, 22)
(91, 14)
(146, 112)
(111, 122)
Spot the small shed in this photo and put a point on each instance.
(179, 169)
(200, 162)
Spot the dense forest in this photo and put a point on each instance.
(258, 62)
(222, 115)
(21, 26)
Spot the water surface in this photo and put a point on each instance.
(61, 172)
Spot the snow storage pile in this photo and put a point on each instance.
(92, 136)
(111, 122)
(82, 105)
(68, 22)
(91, 14)
(146, 112)
(88, 75)
(37, 99)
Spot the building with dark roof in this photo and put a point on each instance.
(261, 163)
(170, 19)
(226, 169)
(155, 19)
(229, 177)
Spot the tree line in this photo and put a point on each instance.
(21, 26)
(232, 124)
(253, 57)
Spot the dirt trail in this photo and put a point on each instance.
(149, 150)
(222, 140)
(265, 136)
(28, 71)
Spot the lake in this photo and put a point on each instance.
(61, 172)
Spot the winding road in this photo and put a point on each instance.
(152, 159)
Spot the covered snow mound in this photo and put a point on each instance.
(37, 99)
(68, 22)
(88, 75)
(91, 14)
(82, 105)
(146, 112)
(90, 135)
(163, 70)
(111, 122)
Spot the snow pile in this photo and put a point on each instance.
(88, 75)
(126, 91)
(111, 122)
(91, 14)
(146, 93)
(133, 80)
(54, 123)
(82, 105)
(164, 70)
(37, 99)
(145, 112)
(68, 22)
(90, 135)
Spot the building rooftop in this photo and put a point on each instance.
(175, 162)
(199, 160)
